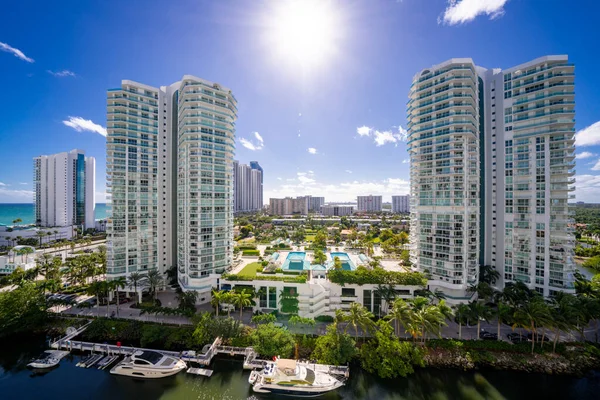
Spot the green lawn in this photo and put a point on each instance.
(250, 269)
(309, 238)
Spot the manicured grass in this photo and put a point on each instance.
(250, 269)
(309, 238)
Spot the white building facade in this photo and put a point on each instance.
(492, 165)
(335, 210)
(289, 206)
(64, 185)
(169, 174)
(368, 203)
(401, 204)
(315, 203)
(247, 188)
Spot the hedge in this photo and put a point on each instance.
(251, 252)
(363, 276)
(288, 279)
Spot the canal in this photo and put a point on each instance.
(230, 382)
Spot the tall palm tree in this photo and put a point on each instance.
(463, 314)
(40, 234)
(135, 279)
(17, 221)
(401, 313)
(481, 312)
(532, 315)
(564, 313)
(387, 293)
(503, 314)
(119, 283)
(241, 300)
(55, 234)
(94, 290)
(155, 280)
(217, 297)
(359, 316)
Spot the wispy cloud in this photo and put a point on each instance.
(23, 183)
(306, 177)
(253, 144)
(80, 125)
(463, 11)
(584, 154)
(3, 184)
(405, 161)
(16, 52)
(15, 196)
(596, 166)
(394, 135)
(348, 171)
(588, 136)
(312, 150)
(61, 74)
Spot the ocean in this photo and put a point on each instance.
(11, 211)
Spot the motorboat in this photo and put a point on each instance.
(149, 364)
(253, 377)
(49, 359)
(289, 377)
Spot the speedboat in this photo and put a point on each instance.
(288, 377)
(148, 364)
(50, 359)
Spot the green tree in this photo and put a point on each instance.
(337, 263)
(531, 316)
(136, 279)
(479, 311)
(217, 298)
(241, 300)
(320, 241)
(155, 280)
(401, 314)
(117, 284)
(301, 321)
(359, 316)
(334, 348)
(22, 309)
(187, 302)
(270, 341)
(388, 357)
(319, 257)
(503, 314)
(462, 317)
(264, 319)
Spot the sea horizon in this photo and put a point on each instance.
(12, 211)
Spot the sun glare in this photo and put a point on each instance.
(305, 32)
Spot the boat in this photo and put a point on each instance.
(149, 364)
(50, 359)
(288, 377)
(253, 377)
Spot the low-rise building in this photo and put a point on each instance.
(337, 211)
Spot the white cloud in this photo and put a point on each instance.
(80, 125)
(588, 136)
(596, 166)
(587, 188)
(61, 74)
(363, 131)
(306, 177)
(462, 11)
(405, 161)
(394, 135)
(3, 184)
(348, 171)
(279, 179)
(312, 150)
(253, 145)
(16, 52)
(584, 154)
(15, 196)
(100, 197)
(23, 183)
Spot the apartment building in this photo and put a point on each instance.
(368, 203)
(64, 189)
(315, 203)
(401, 204)
(248, 187)
(289, 206)
(492, 166)
(337, 211)
(169, 177)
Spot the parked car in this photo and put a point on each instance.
(538, 338)
(515, 337)
(485, 335)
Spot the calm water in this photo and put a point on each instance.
(230, 382)
(9, 212)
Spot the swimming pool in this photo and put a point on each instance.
(295, 262)
(347, 263)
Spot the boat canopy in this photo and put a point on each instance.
(287, 366)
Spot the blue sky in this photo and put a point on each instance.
(300, 109)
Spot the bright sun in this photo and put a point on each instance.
(305, 32)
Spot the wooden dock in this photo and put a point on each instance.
(200, 371)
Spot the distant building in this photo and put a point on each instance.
(64, 185)
(247, 187)
(315, 203)
(401, 204)
(289, 206)
(368, 203)
(337, 211)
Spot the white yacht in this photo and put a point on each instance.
(288, 377)
(148, 364)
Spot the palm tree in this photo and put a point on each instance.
(55, 234)
(217, 297)
(531, 315)
(135, 279)
(24, 252)
(118, 283)
(17, 221)
(94, 290)
(241, 300)
(40, 235)
(481, 312)
(503, 314)
(401, 313)
(387, 294)
(359, 316)
(564, 313)
(155, 279)
(463, 314)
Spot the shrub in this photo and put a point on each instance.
(251, 252)
(290, 279)
(324, 318)
(376, 275)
